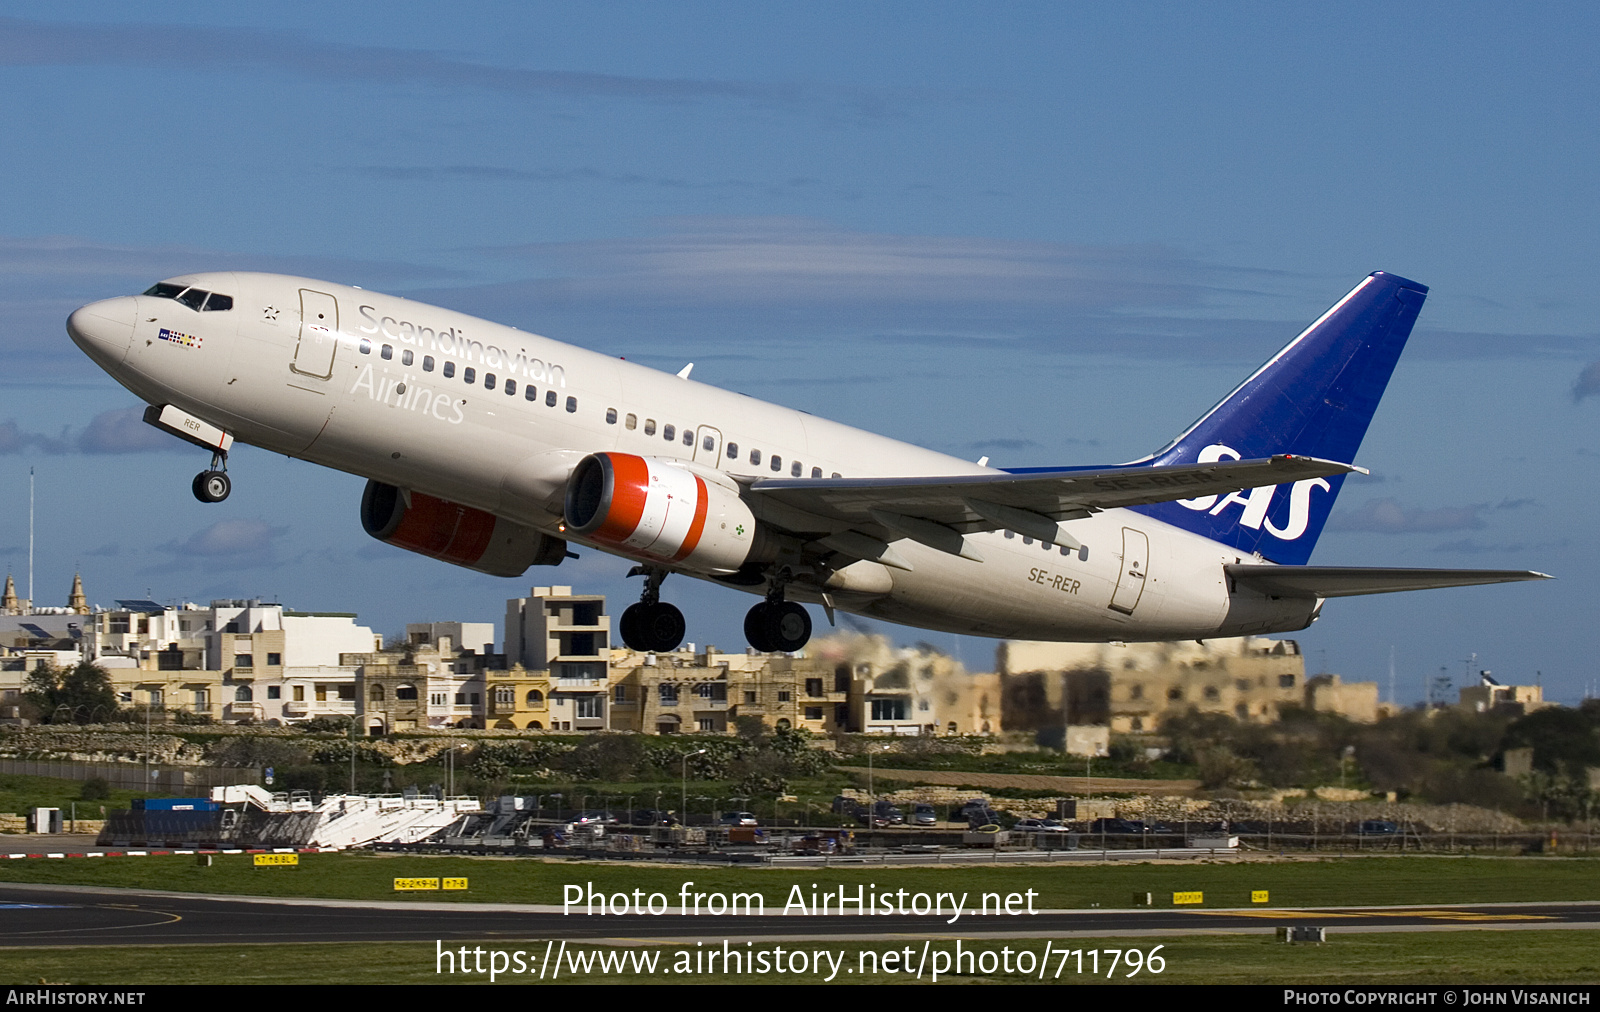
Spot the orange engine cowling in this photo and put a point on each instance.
(450, 532)
(658, 509)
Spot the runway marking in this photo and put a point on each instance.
(1433, 915)
(170, 918)
(1269, 915)
(1462, 915)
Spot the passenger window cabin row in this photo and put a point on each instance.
(469, 375)
(669, 432)
(1083, 550)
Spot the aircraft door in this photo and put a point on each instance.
(708, 446)
(319, 334)
(1131, 575)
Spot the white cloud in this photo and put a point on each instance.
(227, 544)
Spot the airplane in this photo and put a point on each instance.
(495, 449)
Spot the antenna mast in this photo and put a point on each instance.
(1391, 674)
(30, 539)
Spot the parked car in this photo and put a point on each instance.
(1377, 827)
(876, 820)
(979, 817)
(1040, 826)
(889, 813)
(962, 812)
(594, 818)
(739, 819)
(1116, 826)
(924, 815)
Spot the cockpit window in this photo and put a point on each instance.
(194, 298)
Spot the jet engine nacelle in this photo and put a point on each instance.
(448, 531)
(662, 510)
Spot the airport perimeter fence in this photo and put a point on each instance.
(1564, 840)
(155, 778)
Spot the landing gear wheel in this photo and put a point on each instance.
(788, 626)
(777, 627)
(212, 486)
(661, 627)
(755, 628)
(629, 627)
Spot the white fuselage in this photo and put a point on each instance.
(359, 396)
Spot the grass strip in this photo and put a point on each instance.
(360, 875)
(1424, 957)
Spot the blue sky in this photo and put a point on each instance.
(1069, 228)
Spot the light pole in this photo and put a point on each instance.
(872, 796)
(451, 789)
(683, 784)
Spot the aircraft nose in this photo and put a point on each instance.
(104, 330)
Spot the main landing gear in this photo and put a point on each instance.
(652, 625)
(213, 484)
(776, 625)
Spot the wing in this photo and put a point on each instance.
(1350, 581)
(862, 516)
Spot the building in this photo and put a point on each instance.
(234, 660)
(555, 628)
(909, 691)
(1133, 687)
(1357, 701)
(562, 674)
(431, 682)
(247, 660)
(1489, 695)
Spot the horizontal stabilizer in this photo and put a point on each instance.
(1351, 581)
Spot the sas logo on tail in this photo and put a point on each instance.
(1257, 501)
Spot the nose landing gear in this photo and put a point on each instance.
(213, 484)
(652, 625)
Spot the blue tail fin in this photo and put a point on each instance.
(1315, 397)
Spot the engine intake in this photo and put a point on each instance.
(448, 531)
(660, 510)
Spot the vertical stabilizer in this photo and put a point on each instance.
(1316, 398)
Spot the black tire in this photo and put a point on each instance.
(662, 627)
(755, 628)
(212, 486)
(788, 626)
(629, 627)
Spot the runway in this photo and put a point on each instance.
(82, 915)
